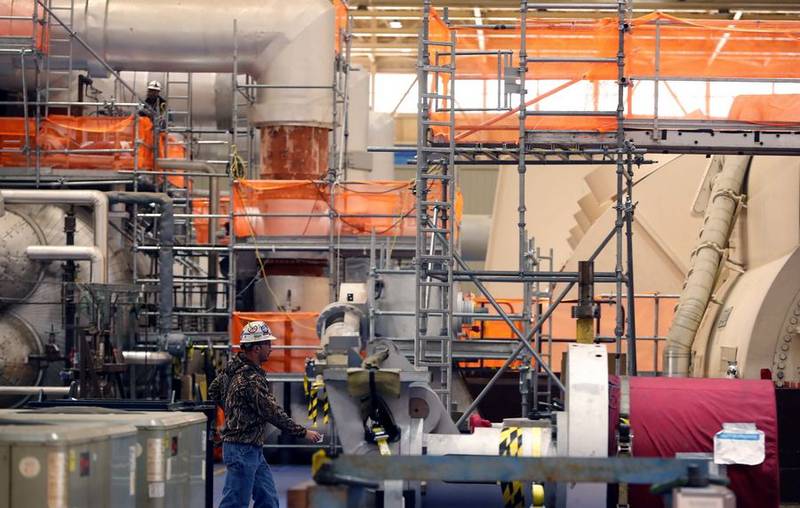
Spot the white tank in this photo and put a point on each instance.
(40, 313)
(19, 275)
(18, 340)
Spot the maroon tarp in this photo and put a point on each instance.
(673, 415)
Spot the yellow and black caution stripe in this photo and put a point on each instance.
(381, 439)
(511, 446)
(326, 406)
(316, 391)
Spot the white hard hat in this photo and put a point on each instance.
(256, 331)
(154, 85)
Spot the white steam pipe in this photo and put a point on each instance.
(97, 200)
(278, 44)
(72, 252)
(704, 264)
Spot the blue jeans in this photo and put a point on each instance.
(248, 476)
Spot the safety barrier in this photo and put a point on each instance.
(78, 142)
(306, 208)
(653, 318)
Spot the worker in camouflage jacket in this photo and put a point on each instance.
(243, 392)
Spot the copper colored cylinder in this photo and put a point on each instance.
(291, 152)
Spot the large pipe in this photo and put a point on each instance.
(714, 236)
(276, 44)
(36, 390)
(147, 357)
(92, 198)
(165, 255)
(75, 253)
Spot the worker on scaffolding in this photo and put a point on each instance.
(156, 105)
(243, 392)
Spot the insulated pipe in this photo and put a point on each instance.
(704, 266)
(35, 390)
(95, 199)
(165, 255)
(75, 253)
(147, 357)
(278, 44)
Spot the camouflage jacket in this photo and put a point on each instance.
(243, 392)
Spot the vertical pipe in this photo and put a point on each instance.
(26, 148)
(213, 261)
(165, 253)
(631, 300)
(69, 290)
(231, 179)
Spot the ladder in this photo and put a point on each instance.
(179, 101)
(435, 212)
(58, 57)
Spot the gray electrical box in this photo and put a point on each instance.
(51, 465)
(170, 450)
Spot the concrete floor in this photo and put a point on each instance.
(286, 477)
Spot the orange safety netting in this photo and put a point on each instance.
(201, 206)
(18, 30)
(78, 142)
(340, 24)
(696, 49)
(657, 46)
(301, 208)
(562, 326)
(296, 330)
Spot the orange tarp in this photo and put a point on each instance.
(291, 329)
(693, 49)
(301, 208)
(340, 23)
(687, 48)
(201, 206)
(97, 142)
(24, 28)
(648, 353)
(763, 109)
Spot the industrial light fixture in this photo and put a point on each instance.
(395, 23)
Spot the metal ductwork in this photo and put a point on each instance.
(705, 263)
(277, 44)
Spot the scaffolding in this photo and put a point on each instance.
(439, 153)
(605, 59)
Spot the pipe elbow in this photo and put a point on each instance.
(303, 56)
